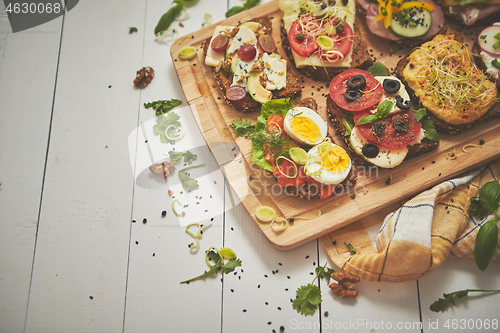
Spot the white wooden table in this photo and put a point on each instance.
(73, 149)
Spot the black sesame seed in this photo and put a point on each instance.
(334, 243)
(144, 221)
(244, 310)
(387, 181)
(91, 297)
(137, 242)
(164, 213)
(133, 221)
(481, 142)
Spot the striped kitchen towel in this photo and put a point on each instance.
(405, 242)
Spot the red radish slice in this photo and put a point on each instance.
(220, 43)
(266, 43)
(235, 93)
(487, 40)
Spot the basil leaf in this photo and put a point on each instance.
(371, 118)
(489, 195)
(384, 109)
(430, 130)
(420, 113)
(377, 69)
(486, 244)
(348, 126)
(167, 18)
(234, 10)
(476, 209)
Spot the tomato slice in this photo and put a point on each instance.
(372, 92)
(390, 137)
(286, 167)
(307, 45)
(342, 42)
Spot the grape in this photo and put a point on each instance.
(266, 43)
(235, 93)
(247, 52)
(219, 43)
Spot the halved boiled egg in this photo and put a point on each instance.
(305, 126)
(329, 163)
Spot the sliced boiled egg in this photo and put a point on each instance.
(305, 126)
(329, 163)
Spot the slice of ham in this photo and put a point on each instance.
(379, 29)
(471, 15)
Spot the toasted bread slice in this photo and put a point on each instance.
(336, 114)
(441, 125)
(360, 57)
(248, 104)
(311, 192)
(463, 15)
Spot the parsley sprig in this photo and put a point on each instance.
(308, 296)
(243, 128)
(162, 106)
(484, 204)
(217, 258)
(442, 303)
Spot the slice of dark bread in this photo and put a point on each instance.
(336, 114)
(457, 18)
(248, 104)
(441, 125)
(360, 57)
(308, 191)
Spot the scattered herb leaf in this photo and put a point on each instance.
(175, 155)
(169, 17)
(442, 303)
(243, 128)
(162, 106)
(324, 272)
(238, 9)
(308, 296)
(218, 264)
(188, 183)
(163, 122)
(351, 248)
(131, 30)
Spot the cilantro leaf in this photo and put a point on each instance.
(175, 155)
(162, 106)
(188, 183)
(230, 265)
(442, 303)
(163, 122)
(307, 300)
(189, 157)
(324, 272)
(212, 270)
(243, 127)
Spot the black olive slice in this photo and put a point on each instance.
(402, 104)
(352, 95)
(401, 126)
(391, 86)
(356, 82)
(370, 150)
(378, 128)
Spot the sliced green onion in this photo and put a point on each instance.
(299, 155)
(265, 214)
(187, 52)
(177, 137)
(279, 224)
(176, 200)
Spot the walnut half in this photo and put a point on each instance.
(143, 77)
(163, 168)
(345, 284)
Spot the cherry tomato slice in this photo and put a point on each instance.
(371, 94)
(302, 46)
(390, 138)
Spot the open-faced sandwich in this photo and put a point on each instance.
(403, 21)
(373, 114)
(470, 11)
(487, 47)
(321, 38)
(292, 142)
(443, 75)
(247, 67)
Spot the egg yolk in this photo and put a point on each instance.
(306, 129)
(336, 160)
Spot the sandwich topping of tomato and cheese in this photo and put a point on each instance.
(374, 115)
(403, 20)
(444, 77)
(246, 65)
(292, 142)
(321, 37)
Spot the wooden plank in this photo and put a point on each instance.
(79, 273)
(413, 176)
(28, 64)
(156, 301)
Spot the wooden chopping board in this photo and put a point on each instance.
(375, 189)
